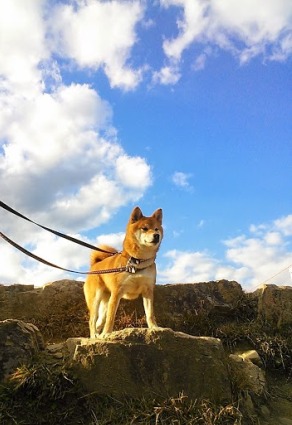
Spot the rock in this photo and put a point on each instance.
(247, 376)
(143, 362)
(285, 421)
(19, 342)
(179, 306)
(252, 356)
(275, 305)
(59, 310)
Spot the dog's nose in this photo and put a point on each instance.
(156, 237)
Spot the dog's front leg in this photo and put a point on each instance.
(149, 309)
(111, 312)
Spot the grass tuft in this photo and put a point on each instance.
(48, 395)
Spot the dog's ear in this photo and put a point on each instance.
(136, 215)
(158, 215)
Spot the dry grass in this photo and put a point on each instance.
(48, 395)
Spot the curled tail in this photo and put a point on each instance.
(97, 256)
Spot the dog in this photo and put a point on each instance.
(103, 292)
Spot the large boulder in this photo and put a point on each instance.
(247, 376)
(275, 305)
(143, 363)
(58, 308)
(179, 305)
(19, 343)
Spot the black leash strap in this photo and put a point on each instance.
(55, 232)
(35, 257)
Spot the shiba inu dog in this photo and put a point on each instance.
(103, 292)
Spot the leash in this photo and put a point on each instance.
(131, 266)
(42, 260)
(55, 232)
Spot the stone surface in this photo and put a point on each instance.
(247, 376)
(252, 356)
(19, 342)
(176, 305)
(160, 362)
(59, 309)
(275, 305)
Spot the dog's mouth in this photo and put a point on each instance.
(154, 241)
(156, 238)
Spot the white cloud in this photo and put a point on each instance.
(64, 141)
(200, 62)
(190, 27)
(60, 160)
(99, 34)
(42, 128)
(249, 259)
(284, 224)
(238, 27)
(181, 179)
(187, 267)
(55, 250)
(167, 75)
(114, 240)
(133, 172)
(201, 223)
(22, 44)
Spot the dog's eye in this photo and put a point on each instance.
(144, 229)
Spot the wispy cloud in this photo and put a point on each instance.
(181, 180)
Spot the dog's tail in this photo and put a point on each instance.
(97, 256)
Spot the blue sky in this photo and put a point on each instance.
(178, 104)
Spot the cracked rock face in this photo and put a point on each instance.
(275, 305)
(143, 362)
(247, 375)
(19, 342)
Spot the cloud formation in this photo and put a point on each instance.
(251, 258)
(236, 27)
(99, 35)
(60, 136)
(181, 180)
(60, 158)
(61, 161)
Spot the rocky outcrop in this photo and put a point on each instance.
(59, 309)
(247, 376)
(177, 304)
(19, 343)
(163, 362)
(275, 305)
(143, 363)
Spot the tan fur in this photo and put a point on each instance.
(97, 256)
(103, 292)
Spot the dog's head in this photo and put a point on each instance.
(146, 232)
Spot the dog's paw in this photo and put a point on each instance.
(103, 335)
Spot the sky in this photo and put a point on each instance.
(183, 105)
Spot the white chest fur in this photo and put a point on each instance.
(138, 283)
